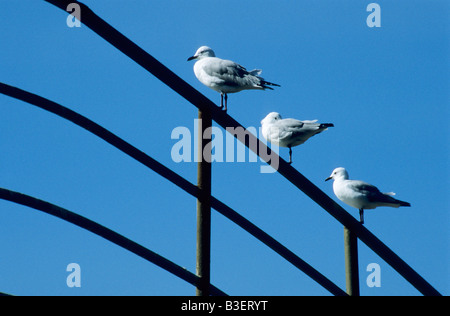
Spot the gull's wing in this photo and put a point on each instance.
(372, 193)
(363, 187)
(229, 73)
(298, 129)
(287, 128)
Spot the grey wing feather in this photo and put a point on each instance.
(291, 124)
(228, 71)
(364, 188)
(290, 127)
(299, 128)
(372, 193)
(234, 74)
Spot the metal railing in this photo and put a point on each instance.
(206, 107)
(168, 174)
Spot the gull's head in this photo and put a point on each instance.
(338, 173)
(271, 118)
(202, 52)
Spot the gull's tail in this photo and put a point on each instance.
(326, 125)
(323, 127)
(265, 84)
(404, 203)
(388, 199)
(262, 83)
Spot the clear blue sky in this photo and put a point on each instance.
(386, 90)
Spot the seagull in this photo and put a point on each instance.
(226, 76)
(359, 194)
(289, 132)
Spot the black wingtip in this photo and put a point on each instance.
(265, 84)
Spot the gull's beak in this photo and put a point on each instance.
(191, 58)
(329, 178)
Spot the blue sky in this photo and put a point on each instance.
(386, 90)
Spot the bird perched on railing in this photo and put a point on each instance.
(290, 132)
(226, 76)
(359, 194)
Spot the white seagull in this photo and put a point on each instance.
(226, 76)
(289, 132)
(359, 194)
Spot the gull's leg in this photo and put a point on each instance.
(226, 101)
(290, 155)
(361, 216)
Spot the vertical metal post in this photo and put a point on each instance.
(351, 262)
(204, 203)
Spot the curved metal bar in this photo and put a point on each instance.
(106, 233)
(276, 246)
(176, 179)
(148, 62)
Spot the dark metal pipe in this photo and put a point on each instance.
(203, 266)
(351, 262)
